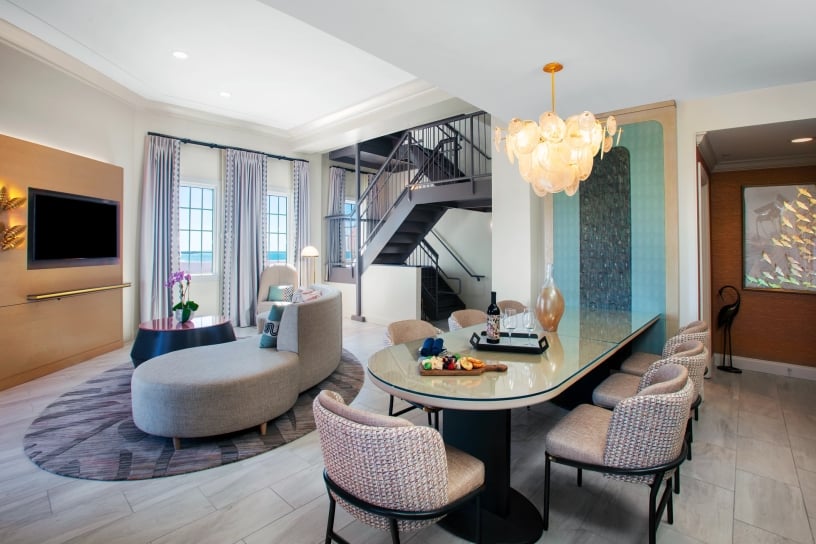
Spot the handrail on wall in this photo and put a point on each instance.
(74, 292)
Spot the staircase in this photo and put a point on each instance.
(428, 170)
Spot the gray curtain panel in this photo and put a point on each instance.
(337, 197)
(244, 239)
(303, 237)
(159, 249)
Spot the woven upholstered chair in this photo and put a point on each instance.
(640, 441)
(639, 362)
(466, 318)
(508, 303)
(409, 330)
(389, 473)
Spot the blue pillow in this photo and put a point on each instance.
(280, 293)
(269, 337)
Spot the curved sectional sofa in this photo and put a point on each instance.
(211, 390)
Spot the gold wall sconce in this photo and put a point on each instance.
(11, 235)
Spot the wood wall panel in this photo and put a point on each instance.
(770, 326)
(40, 337)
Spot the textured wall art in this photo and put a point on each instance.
(779, 238)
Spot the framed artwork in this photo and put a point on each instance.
(779, 238)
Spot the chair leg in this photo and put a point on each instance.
(390, 405)
(670, 504)
(478, 503)
(689, 437)
(655, 488)
(330, 522)
(546, 510)
(677, 481)
(580, 477)
(394, 531)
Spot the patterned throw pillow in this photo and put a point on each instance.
(269, 337)
(305, 294)
(281, 293)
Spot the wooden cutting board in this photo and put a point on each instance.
(499, 367)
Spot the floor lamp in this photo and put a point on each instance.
(309, 254)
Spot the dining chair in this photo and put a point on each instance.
(408, 330)
(466, 318)
(641, 440)
(509, 303)
(691, 354)
(638, 362)
(389, 473)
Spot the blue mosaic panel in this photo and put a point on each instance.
(606, 234)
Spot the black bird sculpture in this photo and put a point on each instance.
(725, 318)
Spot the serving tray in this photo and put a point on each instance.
(498, 367)
(519, 345)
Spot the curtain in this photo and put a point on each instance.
(244, 234)
(159, 247)
(337, 198)
(300, 183)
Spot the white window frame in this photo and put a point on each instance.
(216, 219)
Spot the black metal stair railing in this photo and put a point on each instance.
(450, 151)
(425, 256)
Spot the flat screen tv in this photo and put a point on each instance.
(71, 230)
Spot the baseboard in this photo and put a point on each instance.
(772, 367)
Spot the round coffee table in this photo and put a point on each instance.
(164, 335)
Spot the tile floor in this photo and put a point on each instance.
(752, 478)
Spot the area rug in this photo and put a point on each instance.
(89, 432)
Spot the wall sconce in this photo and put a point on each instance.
(10, 236)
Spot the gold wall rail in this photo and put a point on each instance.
(74, 292)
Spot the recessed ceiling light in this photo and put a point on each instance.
(181, 55)
(802, 140)
(224, 94)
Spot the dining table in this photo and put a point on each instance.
(477, 408)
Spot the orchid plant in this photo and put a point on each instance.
(184, 304)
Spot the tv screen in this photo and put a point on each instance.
(71, 230)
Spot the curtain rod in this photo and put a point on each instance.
(352, 170)
(219, 146)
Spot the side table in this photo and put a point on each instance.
(164, 335)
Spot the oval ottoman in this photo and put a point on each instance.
(211, 390)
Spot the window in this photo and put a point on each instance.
(196, 208)
(349, 235)
(276, 228)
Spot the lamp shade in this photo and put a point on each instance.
(309, 251)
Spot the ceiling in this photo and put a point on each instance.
(309, 67)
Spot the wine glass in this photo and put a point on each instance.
(529, 323)
(510, 322)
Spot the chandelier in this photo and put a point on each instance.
(556, 155)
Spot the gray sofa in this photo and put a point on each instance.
(210, 390)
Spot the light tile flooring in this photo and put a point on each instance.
(752, 479)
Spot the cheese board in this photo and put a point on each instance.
(488, 367)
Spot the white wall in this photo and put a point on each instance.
(391, 293)
(45, 106)
(772, 105)
(468, 233)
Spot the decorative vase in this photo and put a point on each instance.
(550, 302)
(179, 314)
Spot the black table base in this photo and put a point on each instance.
(507, 515)
(152, 343)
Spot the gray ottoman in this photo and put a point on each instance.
(211, 390)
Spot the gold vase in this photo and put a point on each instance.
(550, 303)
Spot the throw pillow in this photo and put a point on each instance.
(280, 293)
(269, 337)
(304, 294)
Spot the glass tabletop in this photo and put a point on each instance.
(584, 340)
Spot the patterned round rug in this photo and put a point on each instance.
(89, 432)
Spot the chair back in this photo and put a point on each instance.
(695, 330)
(466, 318)
(693, 355)
(277, 274)
(508, 303)
(408, 330)
(386, 461)
(648, 429)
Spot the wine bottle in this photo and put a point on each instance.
(493, 327)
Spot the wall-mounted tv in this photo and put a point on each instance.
(71, 230)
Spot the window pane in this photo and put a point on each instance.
(196, 234)
(276, 228)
